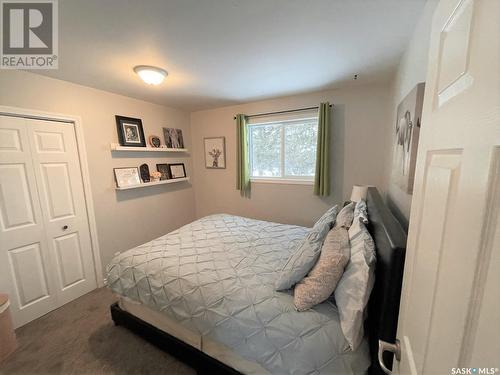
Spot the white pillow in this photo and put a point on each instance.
(354, 288)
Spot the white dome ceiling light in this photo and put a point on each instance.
(151, 74)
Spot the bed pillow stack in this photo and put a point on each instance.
(355, 286)
(321, 281)
(306, 255)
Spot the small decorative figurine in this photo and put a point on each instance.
(155, 176)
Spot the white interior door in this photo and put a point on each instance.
(60, 250)
(25, 265)
(57, 169)
(450, 309)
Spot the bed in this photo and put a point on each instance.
(205, 293)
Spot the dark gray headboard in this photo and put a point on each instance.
(383, 306)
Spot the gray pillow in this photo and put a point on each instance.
(307, 253)
(345, 216)
(354, 288)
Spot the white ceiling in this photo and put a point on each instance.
(221, 52)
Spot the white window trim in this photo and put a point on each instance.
(281, 180)
(288, 180)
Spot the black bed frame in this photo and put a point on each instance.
(383, 306)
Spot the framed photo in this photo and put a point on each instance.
(127, 176)
(154, 141)
(215, 152)
(164, 170)
(173, 138)
(177, 170)
(130, 132)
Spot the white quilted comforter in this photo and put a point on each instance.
(216, 276)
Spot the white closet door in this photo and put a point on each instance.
(25, 264)
(60, 250)
(57, 170)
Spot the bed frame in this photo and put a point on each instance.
(383, 306)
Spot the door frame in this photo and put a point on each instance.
(84, 170)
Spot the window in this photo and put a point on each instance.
(283, 150)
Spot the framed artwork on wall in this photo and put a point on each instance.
(406, 134)
(215, 152)
(127, 176)
(177, 170)
(130, 131)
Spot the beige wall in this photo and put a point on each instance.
(412, 69)
(360, 143)
(124, 218)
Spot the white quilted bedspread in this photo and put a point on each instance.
(216, 276)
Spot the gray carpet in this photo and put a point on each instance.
(80, 338)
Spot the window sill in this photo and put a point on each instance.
(285, 181)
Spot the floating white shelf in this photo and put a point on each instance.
(117, 147)
(146, 184)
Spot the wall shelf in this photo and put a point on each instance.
(146, 184)
(117, 147)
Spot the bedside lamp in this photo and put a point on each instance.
(358, 193)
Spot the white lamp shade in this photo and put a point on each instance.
(358, 193)
(151, 74)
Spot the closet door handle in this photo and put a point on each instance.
(65, 227)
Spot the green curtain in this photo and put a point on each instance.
(322, 176)
(242, 162)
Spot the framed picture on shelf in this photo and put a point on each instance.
(144, 171)
(173, 138)
(164, 170)
(215, 152)
(130, 132)
(127, 176)
(177, 170)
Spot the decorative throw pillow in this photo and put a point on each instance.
(304, 258)
(362, 211)
(345, 216)
(321, 281)
(355, 286)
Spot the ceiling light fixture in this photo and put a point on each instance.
(151, 74)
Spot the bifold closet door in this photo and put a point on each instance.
(42, 194)
(25, 262)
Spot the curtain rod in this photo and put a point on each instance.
(280, 112)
